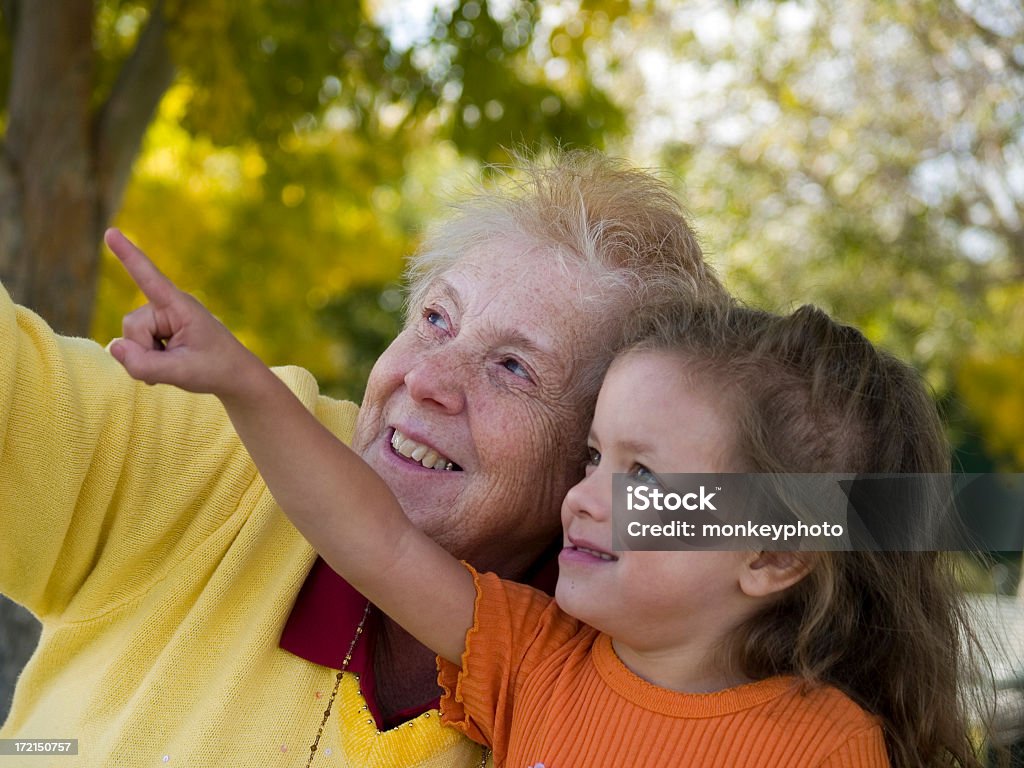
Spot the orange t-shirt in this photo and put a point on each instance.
(543, 689)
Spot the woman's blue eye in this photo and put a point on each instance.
(436, 318)
(514, 366)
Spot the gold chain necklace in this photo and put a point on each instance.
(337, 683)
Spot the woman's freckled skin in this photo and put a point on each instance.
(487, 374)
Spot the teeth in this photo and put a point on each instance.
(595, 553)
(418, 452)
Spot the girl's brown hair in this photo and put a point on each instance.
(889, 629)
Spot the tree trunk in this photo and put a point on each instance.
(65, 164)
(52, 220)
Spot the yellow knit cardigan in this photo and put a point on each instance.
(135, 527)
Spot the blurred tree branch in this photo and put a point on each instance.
(125, 115)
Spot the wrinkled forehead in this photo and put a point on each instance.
(551, 296)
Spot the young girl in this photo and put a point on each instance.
(643, 658)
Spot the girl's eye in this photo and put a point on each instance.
(643, 475)
(593, 457)
(514, 366)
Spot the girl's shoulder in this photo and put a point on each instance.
(831, 728)
(825, 705)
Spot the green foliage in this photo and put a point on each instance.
(293, 164)
(371, 318)
(265, 69)
(991, 389)
(505, 96)
(863, 156)
(115, 32)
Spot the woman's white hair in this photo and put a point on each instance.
(584, 207)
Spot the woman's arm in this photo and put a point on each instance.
(331, 495)
(93, 510)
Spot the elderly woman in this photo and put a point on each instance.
(186, 621)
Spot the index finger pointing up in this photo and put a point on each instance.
(153, 283)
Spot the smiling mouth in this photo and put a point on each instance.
(595, 553)
(421, 454)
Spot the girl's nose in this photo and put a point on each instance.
(436, 380)
(591, 496)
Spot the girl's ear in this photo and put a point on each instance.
(768, 573)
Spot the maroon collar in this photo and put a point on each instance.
(328, 610)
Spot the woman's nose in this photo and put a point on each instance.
(436, 379)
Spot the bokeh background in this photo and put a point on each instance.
(279, 157)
